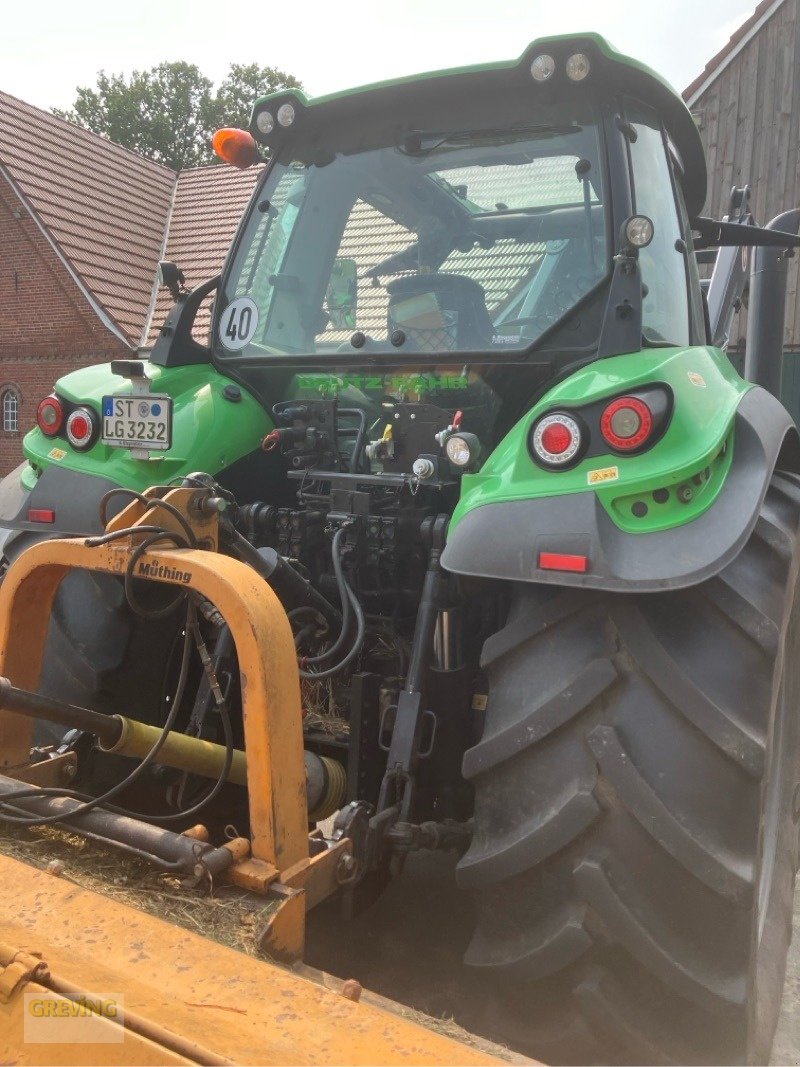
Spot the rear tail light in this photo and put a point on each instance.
(81, 428)
(50, 416)
(556, 439)
(626, 423)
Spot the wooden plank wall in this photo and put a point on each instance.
(749, 119)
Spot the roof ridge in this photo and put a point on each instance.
(108, 319)
(219, 168)
(151, 307)
(737, 40)
(201, 166)
(101, 206)
(81, 130)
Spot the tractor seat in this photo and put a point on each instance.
(440, 312)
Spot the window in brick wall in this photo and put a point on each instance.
(10, 404)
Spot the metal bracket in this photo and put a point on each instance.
(17, 968)
(283, 935)
(56, 770)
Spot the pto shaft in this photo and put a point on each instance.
(326, 781)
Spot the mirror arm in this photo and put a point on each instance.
(734, 234)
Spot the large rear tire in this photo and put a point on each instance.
(99, 655)
(636, 812)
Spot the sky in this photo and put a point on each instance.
(49, 47)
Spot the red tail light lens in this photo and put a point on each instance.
(50, 415)
(626, 423)
(80, 428)
(556, 439)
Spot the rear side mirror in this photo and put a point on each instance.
(341, 297)
(171, 277)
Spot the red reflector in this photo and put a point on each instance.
(560, 561)
(41, 515)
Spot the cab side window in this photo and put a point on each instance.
(666, 303)
(696, 309)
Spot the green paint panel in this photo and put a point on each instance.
(209, 432)
(706, 393)
(671, 504)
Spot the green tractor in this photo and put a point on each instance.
(465, 406)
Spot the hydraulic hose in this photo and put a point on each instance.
(361, 435)
(347, 605)
(348, 597)
(358, 643)
(290, 586)
(168, 850)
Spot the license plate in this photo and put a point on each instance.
(137, 421)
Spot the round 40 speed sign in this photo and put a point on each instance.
(238, 323)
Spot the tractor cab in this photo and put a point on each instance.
(532, 214)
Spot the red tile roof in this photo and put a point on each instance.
(209, 201)
(717, 62)
(104, 207)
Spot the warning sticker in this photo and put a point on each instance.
(56, 453)
(604, 474)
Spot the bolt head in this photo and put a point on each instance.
(345, 868)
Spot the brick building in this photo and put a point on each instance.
(83, 224)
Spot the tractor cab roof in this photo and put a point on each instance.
(608, 69)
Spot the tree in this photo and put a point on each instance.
(168, 113)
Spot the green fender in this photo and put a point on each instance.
(668, 517)
(209, 431)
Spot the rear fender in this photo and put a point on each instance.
(724, 441)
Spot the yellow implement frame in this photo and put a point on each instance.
(184, 998)
(277, 859)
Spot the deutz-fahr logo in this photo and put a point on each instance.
(159, 570)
